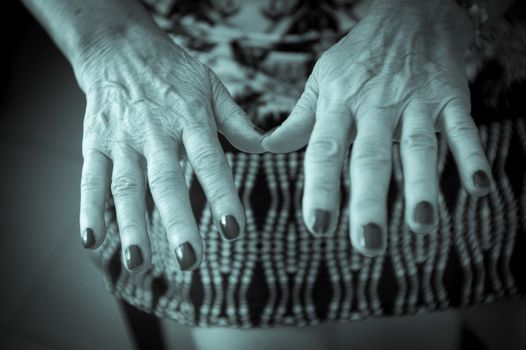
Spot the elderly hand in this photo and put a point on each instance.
(399, 74)
(149, 104)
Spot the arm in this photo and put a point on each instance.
(79, 27)
(495, 9)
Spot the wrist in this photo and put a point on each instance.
(443, 17)
(102, 29)
(93, 48)
(113, 45)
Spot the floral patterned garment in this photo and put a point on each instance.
(262, 51)
(278, 273)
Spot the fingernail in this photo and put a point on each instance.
(481, 179)
(372, 237)
(321, 221)
(229, 227)
(185, 255)
(133, 256)
(424, 213)
(88, 238)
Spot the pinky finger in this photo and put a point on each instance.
(464, 141)
(94, 185)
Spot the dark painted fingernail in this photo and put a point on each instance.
(88, 238)
(229, 227)
(133, 256)
(424, 213)
(481, 179)
(372, 236)
(321, 221)
(185, 255)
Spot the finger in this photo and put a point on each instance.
(418, 152)
(295, 131)
(370, 172)
(215, 176)
(463, 139)
(171, 196)
(324, 157)
(94, 186)
(128, 189)
(232, 121)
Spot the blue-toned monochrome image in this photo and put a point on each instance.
(274, 174)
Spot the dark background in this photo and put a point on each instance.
(51, 295)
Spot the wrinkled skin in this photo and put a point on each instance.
(397, 76)
(149, 106)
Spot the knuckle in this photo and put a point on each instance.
(218, 194)
(94, 141)
(123, 185)
(424, 181)
(91, 181)
(477, 154)
(194, 103)
(90, 209)
(218, 89)
(207, 161)
(374, 162)
(129, 230)
(372, 156)
(177, 226)
(198, 130)
(367, 202)
(323, 188)
(421, 141)
(324, 151)
(463, 128)
(311, 84)
(336, 94)
(162, 177)
(218, 191)
(304, 104)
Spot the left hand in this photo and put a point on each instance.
(399, 74)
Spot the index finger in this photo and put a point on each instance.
(215, 176)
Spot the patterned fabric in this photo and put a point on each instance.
(262, 50)
(278, 273)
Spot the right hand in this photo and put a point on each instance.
(149, 105)
(397, 75)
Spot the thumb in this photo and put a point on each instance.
(232, 121)
(294, 132)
